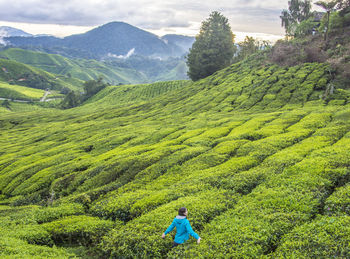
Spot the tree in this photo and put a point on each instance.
(213, 49)
(298, 11)
(71, 100)
(329, 7)
(92, 87)
(250, 46)
(343, 6)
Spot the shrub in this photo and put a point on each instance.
(33, 234)
(82, 230)
(338, 203)
(284, 53)
(52, 213)
(141, 237)
(325, 237)
(17, 248)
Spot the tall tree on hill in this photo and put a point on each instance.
(213, 49)
(298, 11)
(329, 7)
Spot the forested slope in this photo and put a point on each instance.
(259, 154)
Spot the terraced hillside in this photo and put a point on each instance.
(77, 68)
(259, 154)
(131, 70)
(19, 92)
(12, 72)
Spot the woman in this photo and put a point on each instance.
(183, 228)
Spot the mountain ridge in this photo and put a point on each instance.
(116, 38)
(6, 31)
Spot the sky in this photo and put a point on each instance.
(257, 18)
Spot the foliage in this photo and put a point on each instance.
(328, 6)
(213, 48)
(260, 159)
(17, 73)
(334, 22)
(55, 212)
(71, 100)
(306, 27)
(83, 230)
(92, 87)
(291, 53)
(72, 69)
(248, 47)
(298, 11)
(325, 237)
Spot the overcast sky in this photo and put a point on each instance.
(64, 17)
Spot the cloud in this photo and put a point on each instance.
(3, 34)
(128, 55)
(248, 15)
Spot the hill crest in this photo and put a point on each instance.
(116, 38)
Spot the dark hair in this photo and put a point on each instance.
(182, 211)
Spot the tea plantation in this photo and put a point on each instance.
(259, 154)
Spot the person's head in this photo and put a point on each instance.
(183, 211)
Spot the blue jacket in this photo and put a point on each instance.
(183, 229)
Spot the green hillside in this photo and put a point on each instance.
(258, 153)
(19, 92)
(77, 68)
(20, 74)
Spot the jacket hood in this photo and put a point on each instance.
(180, 219)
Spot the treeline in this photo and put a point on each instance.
(215, 47)
(313, 36)
(91, 88)
(299, 20)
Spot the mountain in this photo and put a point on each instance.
(115, 38)
(184, 42)
(6, 31)
(119, 38)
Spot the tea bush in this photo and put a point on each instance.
(338, 203)
(48, 214)
(253, 151)
(16, 248)
(325, 237)
(83, 230)
(141, 237)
